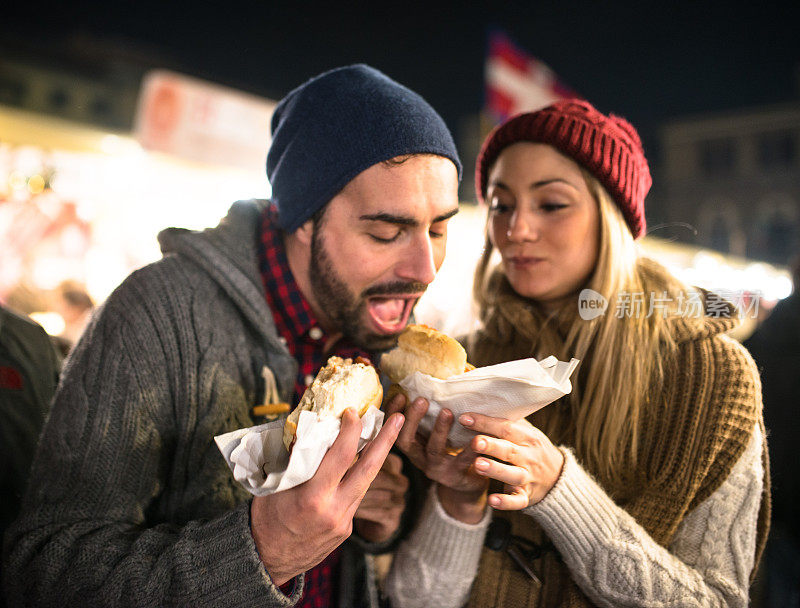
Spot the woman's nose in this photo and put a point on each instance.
(522, 227)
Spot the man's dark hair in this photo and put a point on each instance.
(399, 160)
(318, 218)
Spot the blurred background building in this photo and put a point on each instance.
(735, 177)
(84, 80)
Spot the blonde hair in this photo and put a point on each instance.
(623, 357)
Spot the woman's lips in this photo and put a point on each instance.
(524, 261)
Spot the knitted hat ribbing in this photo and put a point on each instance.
(607, 146)
(336, 125)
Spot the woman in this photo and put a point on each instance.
(648, 484)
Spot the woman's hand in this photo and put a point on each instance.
(462, 492)
(530, 465)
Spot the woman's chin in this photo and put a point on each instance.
(546, 296)
(528, 287)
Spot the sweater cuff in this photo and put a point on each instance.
(257, 583)
(451, 544)
(577, 512)
(375, 548)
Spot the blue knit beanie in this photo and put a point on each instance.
(336, 125)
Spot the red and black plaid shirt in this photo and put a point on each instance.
(306, 341)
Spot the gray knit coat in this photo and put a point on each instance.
(130, 503)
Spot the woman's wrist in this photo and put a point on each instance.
(467, 507)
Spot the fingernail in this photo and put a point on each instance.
(466, 420)
(480, 444)
(399, 421)
(481, 464)
(494, 501)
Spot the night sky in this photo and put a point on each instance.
(648, 62)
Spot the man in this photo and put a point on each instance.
(29, 368)
(130, 501)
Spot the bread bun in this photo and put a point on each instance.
(339, 385)
(422, 348)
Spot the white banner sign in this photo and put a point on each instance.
(202, 121)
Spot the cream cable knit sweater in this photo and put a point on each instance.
(611, 557)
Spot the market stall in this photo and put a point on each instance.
(84, 205)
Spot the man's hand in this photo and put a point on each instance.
(378, 516)
(462, 491)
(296, 529)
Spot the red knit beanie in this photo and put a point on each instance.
(607, 146)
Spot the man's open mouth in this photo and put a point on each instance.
(389, 314)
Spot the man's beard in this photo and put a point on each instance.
(343, 308)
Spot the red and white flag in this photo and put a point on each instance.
(518, 82)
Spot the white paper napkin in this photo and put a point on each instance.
(510, 390)
(259, 460)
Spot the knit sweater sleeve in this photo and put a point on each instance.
(609, 555)
(84, 537)
(436, 565)
(616, 563)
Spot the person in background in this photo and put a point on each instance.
(73, 303)
(29, 367)
(648, 484)
(132, 503)
(775, 346)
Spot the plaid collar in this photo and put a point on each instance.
(294, 318)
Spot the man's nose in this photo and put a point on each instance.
(419, 261)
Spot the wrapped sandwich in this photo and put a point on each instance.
(341, 384)
(423, 349)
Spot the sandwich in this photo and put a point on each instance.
(341, 384)
(423, 349)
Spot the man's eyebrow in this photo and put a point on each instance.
(403, 220)
(445, 216)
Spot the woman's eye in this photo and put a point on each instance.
(498, 207)
(550, 207)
